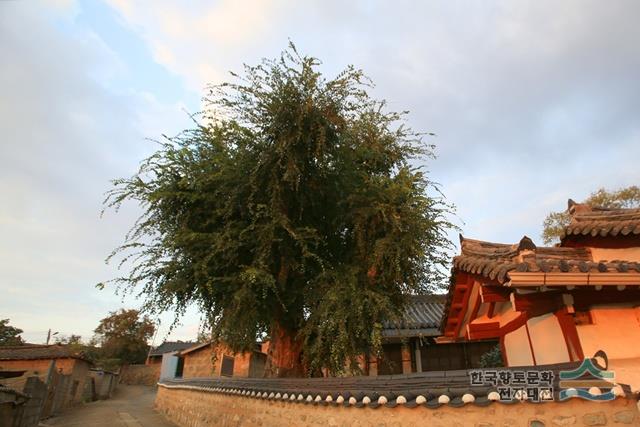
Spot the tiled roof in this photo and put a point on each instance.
(427, 389)
(595, 221)
(7, 390)
(34, 351)
(170, 347)
(195, 347)
(421, 317)
(496, 260)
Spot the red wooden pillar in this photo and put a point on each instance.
(570, 333)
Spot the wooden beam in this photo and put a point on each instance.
(476, 308)
(536, 304)
(483, 330)
(528, 279)
(533, 354)
(465, 301)
(494, 293)
(570, 333)
(492, 307)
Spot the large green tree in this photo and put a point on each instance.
(9, 335)
(292, 209)
(555, 222)
(123, 336)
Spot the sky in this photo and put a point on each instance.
(532, 103)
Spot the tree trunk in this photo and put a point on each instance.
(284, 358)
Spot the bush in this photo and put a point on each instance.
(492, 358)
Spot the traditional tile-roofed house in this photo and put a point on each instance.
(410, 345)
(34, 359)
(553, 304)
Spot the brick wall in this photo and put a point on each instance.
(200, 363)
(140, 374)
(188, 408)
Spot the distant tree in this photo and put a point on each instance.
(555, 222)
(295, 209)
(69, 340)
(123, 335)
(204, 336)
(9, 335)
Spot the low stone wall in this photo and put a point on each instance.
(197, 408)
(140, 374)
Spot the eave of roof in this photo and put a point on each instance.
(603, 222)
(421, 317)
(494, 261)
(169, 347)
(40, 352)
(195, 348)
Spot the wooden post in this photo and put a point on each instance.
(406, 359)
(418, 356)
(373, 366)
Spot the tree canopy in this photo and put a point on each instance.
(294, 208)
(555, 222)
(123, 337)
(9, 335)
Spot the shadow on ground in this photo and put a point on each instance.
(131, 406)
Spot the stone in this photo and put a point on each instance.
(468, 398)
(562, 420)
(595, 419)
(536, 423)
(494, 396)
(624, 417)
(443, 399)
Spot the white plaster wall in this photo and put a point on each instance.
(626, 254)
(616, 330)
(547, 340)
(169, 365)
(516, 345)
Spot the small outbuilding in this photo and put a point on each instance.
(36, 360)
(214, 360)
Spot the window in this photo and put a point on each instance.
(226, 370)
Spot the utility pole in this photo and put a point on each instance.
(49, 335)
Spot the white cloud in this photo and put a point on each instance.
(65, 135)
(533, 102)
(200, 40)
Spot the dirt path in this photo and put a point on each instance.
(131, 406)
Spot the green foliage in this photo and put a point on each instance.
(123, 336)
(9, 335)
(555, 222)
(73, 340)
(492, 358)
(293, 202)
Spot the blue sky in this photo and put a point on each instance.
(532, 102)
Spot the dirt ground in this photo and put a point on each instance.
(131, 406)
